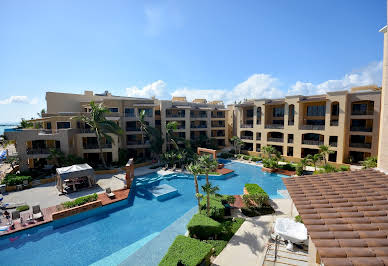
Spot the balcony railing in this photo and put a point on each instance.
(132, 129)
(218, 125)
(39, 150)
(258, 122)
(290, 140)
(180, 127)
(129, 115)
(334, 123)
(174, 115)
(312, 127)
(199, 116)
(137, 142)
(218, 116)
(258, 138)
(276, 126)
(368, 112)
(199, 126)
(246, 125)
(291, 123)
(361, 129)
(275, 139)
(86, 130)
(361, 145)
(312, 142)
(218, 135)
(333, 144)
(95, 146)
(247, 137)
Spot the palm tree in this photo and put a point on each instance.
(41, 113)
(56, 156)
(170, 128)
(208, 165)
(269, 150)
(324, 150)
(25, 123)
(143, 125)
(237, 143)
(195, 170)
(209, 190)
(156, 141)
(304, 161)
(314, 159)
(100, 125)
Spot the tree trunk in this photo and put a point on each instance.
(101, 153)
(208, 204)
(207, 178)
(197, 193)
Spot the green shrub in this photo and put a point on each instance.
(246, 157)
(187, 251)
(256, 211)
(328, 168)
(80, 201)
(254, 189)
(203, 227)
(370, 162)
(287, 166)
(298, 219)
(226, 155)
(270, 163)
(217, 208)
(299, 169)
(344, 168)
(228, 199)
(229, 227)
(13, 179)
(257, 196)
(23, 208)
(218, 245)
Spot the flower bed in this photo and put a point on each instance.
(80, 201)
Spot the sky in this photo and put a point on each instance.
(227, 50)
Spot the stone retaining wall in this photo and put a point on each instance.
(76, 210)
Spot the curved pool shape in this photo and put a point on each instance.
(109, 235)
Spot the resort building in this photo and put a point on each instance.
(60, 129)
(297, 125)
(197, 119)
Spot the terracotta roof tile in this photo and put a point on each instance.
(346, 215)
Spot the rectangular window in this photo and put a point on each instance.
(129, 112)
(114, 109)
(147, 112)
(61, 125)
(48, 125)
(278, 112)
(316, 110)
(335, 110)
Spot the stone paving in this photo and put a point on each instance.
(248, 245)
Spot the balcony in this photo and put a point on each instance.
(274, 126)
(312, 142)
(129, 115)
(180, 127)
(218, 135)
(258, 138)
(290, 141)
(33, 151)
(132, 129)
(312, 127)
(275, 139)
(334, 123)
(361, 145)
(246, 126)
(218, 116)
(247, 137)
(366, 112)
(137, 142)
(291, 123)
(218, 125)
(199, 126)
(175, 115)
(333, 144)
(361, 129)
(86, 130)
(92, 146)
(199, 116)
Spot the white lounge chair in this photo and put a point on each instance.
(109, 193)
(291, 231)
(36, 212)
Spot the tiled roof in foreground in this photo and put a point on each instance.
(345, 214)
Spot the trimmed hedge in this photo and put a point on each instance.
(80, 201)
(217, 208)
(218, 245)
(256, 211)
(187, 251)
(254, 189)
(13, 180)
(23, 208)
(203, 227)
(229, 227)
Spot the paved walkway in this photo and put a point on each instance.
(248, 245)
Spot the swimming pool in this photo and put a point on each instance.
(109, 235)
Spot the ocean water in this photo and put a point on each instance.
(2, 127)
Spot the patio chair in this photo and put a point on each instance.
(25, 183)
(109, 193)
(15, 215)
(174, 167)
(36, 212)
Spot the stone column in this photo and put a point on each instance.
(129, 172)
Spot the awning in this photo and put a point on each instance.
(76, 170)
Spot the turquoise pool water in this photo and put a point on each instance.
(109, 235)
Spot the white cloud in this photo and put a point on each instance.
(157, 89)
(19, 99)
(372, 74)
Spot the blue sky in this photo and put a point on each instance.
(217, 49)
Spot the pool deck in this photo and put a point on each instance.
(47, 212)
(224, 171)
